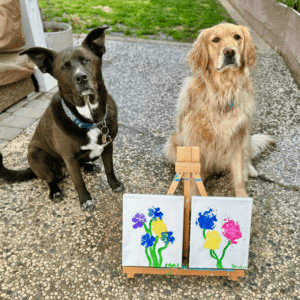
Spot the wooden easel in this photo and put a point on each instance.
(187, 167)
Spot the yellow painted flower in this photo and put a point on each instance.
(213, 240)
(158, 227)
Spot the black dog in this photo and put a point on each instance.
(79, 125)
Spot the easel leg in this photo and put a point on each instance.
(187, 194)
(174, 184)
(200, 185)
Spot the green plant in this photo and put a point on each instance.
(49, 17)
(295, 4)
(181, 19)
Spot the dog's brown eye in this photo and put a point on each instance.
(216, 40)
(86, 60)
(237, 37)
(66, 66)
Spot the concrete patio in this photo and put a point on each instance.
(56, 251)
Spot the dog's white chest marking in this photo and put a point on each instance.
(85, 110)
(96, 150)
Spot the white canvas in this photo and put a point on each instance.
(152, 248)
(226, 223)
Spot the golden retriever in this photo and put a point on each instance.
(216, 105)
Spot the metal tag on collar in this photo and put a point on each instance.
(104, 132)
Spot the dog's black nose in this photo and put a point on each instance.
(229, 52)
(80, 77)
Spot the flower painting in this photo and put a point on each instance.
(220, 232)
(152, 230)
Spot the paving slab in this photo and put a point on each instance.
(4, 115)
(17, 106)
(34, 95)
(40, 103)
(45, 96)
(18, 122)
(29, 112)
(3, 143)
(9, 133)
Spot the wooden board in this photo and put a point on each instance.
(233, 274)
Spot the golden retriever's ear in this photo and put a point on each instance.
(198, 56)
(249, 56)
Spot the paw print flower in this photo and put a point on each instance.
(213, 240)
(167, 237)
(147, 240)
(206, 220)
(158, 227)
(232, 231)
(138, 220)
(155, 213)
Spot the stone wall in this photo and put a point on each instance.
(278, 25)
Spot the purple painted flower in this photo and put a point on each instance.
(138, 220)
(167, 237)
(147, 240)
(155, 213)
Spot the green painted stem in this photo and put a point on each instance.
(159, 254)
(153, 253)
(213, 254)
(148, 257)
(148, 230)
(219, 264)
(224, 250)
(204, 234)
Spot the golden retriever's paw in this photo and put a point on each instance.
(241, 194)
(252, 171)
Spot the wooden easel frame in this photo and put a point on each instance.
(187, 167)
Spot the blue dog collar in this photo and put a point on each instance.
(232, 103)
(78, 122)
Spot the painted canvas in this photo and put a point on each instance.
(152, 230)
(220, 232)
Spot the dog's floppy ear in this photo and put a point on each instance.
(42, 57)
(249, 56)
(198, 56)
(95, 41)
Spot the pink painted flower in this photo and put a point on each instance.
(232, 231)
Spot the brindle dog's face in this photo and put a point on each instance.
(77, 69)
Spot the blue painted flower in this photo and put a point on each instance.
(138, 220)
(147, 240)
(167, 237)
(155, 213)
(206, 220)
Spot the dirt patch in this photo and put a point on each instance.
(103, 8)
(178, 28)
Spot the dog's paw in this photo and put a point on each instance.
(88, 205)
(56, 196)
(117, 187)
(89, 167)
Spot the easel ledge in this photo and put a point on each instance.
(233, 274)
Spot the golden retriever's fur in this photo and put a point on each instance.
(216, 106)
